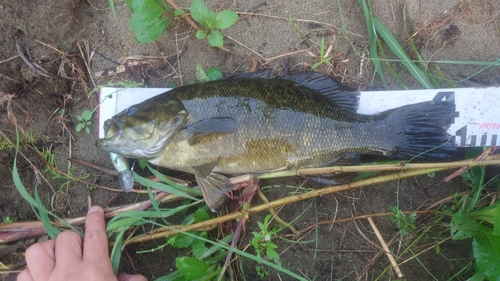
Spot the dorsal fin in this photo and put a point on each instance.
(339, 94)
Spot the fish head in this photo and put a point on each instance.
(144, 130)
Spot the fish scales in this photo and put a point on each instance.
(251, 124)
(279, 128)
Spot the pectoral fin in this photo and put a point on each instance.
(210, 127)
(349, 159)
(213, 186)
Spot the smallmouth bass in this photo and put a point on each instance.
(251, 124)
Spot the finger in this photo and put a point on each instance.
(95, 242)
(25, 275)
(68, 249)
(128, 277)
(41, 260)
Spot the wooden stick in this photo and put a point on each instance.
(386, 249)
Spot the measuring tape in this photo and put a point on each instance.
(477, 122)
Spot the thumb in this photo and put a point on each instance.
(129, 277)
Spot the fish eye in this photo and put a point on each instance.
(131, 110)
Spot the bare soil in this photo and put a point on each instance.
(74, 39)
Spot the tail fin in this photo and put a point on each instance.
(422, 131)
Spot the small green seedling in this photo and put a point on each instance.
(211, 22)
(150, 19)
(322, 59)
(8, 219)
(211, 74)
(85, 121)
(267, 245)
(405, 223)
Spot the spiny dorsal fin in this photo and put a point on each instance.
(339, 94)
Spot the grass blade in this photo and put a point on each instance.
(112, 6)
(26, 196)
(161, 186)
(52, 231)
(391, 69)
(394, 45)
(372, 35)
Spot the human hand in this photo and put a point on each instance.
(70, 258)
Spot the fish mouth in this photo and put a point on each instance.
(112, 132)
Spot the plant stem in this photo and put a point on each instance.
(185, 17)
(401, 166)
(171, 230)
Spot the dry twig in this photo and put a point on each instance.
(386, 249)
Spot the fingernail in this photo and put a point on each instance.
(94, 209)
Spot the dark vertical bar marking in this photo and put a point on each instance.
(494, 140)
(462, 133)
(483, 140)
(473, 140)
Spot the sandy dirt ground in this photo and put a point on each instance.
(72, 40)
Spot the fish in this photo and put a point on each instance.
(254, 122)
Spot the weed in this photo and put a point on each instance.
(8, 219)
(323, 59)
(212, 22)
(85, 121)
(263, 244)
(211, 74)
(150, 19)
(21, 27)
(54, 169)
(480, 224)
(405, 223)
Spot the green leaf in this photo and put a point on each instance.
(174, 276)
(215, 38)
(225, 19)
(201, 76)
(209, 20)
(372, 36)
(116, 252)
(181, 241)
(198, 11)
(52, 231)
(462, 227)
(201, 34)
(201, 215)
(397, 49)
(214, 73)
(179, 12)
(199, 248)
(153, 32)
(316, 65)
(191, 268)
(486, 251)
(272, 254)
(172, 183)
(112, 6)
(87, 130)
(161, 186)
(216, 247)
(145, 13)
(80, 127)
(490, 214)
